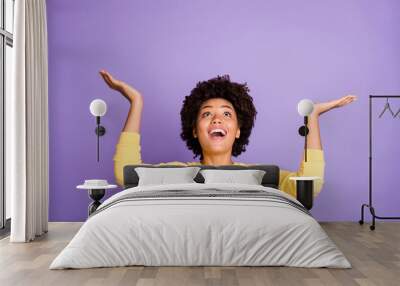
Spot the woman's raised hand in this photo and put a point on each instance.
(320, 108)
(126, 90)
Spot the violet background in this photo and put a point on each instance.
(285, 51)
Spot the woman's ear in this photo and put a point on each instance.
(238, 133)
(194, 133)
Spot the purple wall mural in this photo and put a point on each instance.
(284, 50)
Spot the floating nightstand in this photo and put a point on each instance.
(305, 190)
(96, 190)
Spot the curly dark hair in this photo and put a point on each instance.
(219, 87)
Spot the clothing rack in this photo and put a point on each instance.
(369, 205)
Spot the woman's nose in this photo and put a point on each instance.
(216, 120)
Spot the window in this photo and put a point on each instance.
(6, 64)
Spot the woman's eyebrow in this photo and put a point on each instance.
(227, 106)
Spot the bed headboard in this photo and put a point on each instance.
(270, 179)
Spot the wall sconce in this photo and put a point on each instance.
(98, 108)
(305, 107)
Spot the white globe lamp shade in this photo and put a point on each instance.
(305, 107)
(98, 107)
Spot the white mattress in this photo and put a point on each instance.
(202, 231)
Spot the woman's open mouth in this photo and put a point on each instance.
(217, 134)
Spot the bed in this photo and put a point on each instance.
(201, 224)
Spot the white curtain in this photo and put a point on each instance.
(27, 124)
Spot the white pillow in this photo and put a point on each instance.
(162, 176)
(249, 177)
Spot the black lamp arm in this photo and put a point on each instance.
(305, 138)
(100, 131)
(303, 131)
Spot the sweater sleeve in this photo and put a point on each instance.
(315, 166)
(127, 152)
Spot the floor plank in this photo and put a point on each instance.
(374, 255)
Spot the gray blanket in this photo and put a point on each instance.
(207, 194)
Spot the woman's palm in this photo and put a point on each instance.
(320, 108)
(125, 89)
(112, 82)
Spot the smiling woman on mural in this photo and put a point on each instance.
(217, 118)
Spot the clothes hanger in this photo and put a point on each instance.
(398, 111)
(387, 106)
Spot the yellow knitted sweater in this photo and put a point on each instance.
(128, 153)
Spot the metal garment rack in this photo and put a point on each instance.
(369, 205)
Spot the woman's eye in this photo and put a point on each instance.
(207, 113)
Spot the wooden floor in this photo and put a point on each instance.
(374, 255)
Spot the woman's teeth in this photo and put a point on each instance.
(218, 131)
